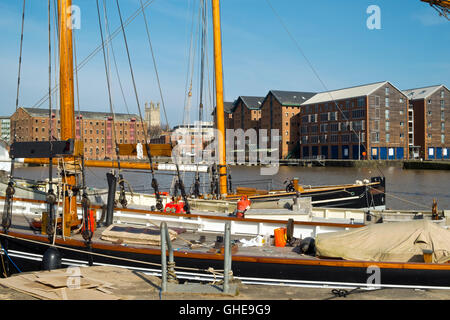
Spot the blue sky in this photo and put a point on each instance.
(411, 50)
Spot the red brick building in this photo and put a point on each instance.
(278, 111)
(431, 121)
(368, 121)
(246, 112)
(94, 128)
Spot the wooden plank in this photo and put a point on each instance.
(157, 150)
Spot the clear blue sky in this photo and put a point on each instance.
(412, 49)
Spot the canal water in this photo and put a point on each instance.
(405, 189)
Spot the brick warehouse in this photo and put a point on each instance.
(247, 112)
(371, 123)
(430, 106)
(278, 111)
(95, 128)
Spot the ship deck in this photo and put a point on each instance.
(187, 241)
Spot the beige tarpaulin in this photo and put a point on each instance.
(395, 242)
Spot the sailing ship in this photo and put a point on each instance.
(65, 240)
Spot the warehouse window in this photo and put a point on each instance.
(359, 113)
(333, 116)
(361, 102)
(375, 137)
(377, 101)
(304, 139)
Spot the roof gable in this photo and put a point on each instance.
(421, 93)
(292, 98)
(346, 93)
(251, 102)
(289, 98)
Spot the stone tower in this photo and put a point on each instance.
(152, 115)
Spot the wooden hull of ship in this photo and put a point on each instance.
(249, 269)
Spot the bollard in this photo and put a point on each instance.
(163, 258)
(166, 243)
(227, 258)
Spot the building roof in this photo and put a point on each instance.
(421, 93)
(228, 107)
(252, 103)
(40, 112)
(346, 93)
(291, 98)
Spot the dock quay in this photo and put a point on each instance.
(113, 283)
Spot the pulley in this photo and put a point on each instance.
(87, 231)
(7, 212)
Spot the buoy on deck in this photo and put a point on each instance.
(51, 259)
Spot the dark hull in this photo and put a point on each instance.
(248, 269)
(354, 197)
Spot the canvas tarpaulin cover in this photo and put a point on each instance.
(394, 242)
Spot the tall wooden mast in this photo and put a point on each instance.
(220, 120)
(67, 112)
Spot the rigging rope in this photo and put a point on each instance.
(7, 212)
(114, 56)
(96, 50)
(50, 197)
(154, 183)
(87, 233)
(122, 198)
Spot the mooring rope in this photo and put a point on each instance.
(401, 199)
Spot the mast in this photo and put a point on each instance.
(67, 113)
(220, 120)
